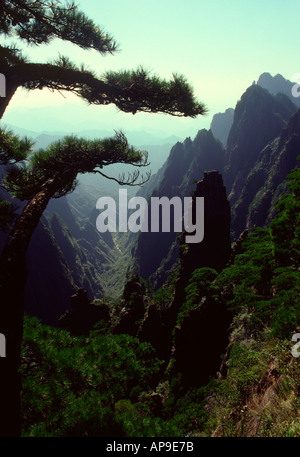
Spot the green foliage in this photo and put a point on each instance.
(65, 159)
(256, 282)
(102, 385)
(247, 278)
(137, 420)
(140, 87)
(260, 394)
(13, 149)
(38, 22)
(70, 384)
(285, 227)
(200, 286)
(189, 414)
(244, 367)
(164, 295)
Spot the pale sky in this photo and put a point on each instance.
(221, 46)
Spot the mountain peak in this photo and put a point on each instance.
(277, 84)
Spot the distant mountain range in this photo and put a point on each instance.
(137, 137)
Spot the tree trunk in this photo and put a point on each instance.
(13, 274)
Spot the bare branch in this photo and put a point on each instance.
(131, 180)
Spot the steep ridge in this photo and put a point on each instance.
(221, 124)
(197, 326)
(214, 250)
(185, 165)
(266, 181)
(259, 117)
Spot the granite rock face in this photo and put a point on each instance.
(200, 340)
(259, 118)
(214, 251)
(266, 181)
(201, 337)
(274, 163)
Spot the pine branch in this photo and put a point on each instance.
(64, 159)
(39, 22)
(130, 91)
(13, 149)
(131, 180)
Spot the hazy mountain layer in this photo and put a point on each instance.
(221, 124)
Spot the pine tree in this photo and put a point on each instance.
(52, 172)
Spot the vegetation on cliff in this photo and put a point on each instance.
(72, 384)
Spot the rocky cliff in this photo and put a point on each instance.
(199, 323)
(221, 124)
(266, 182)
(259, 117)
(185, 165)
(214, 251)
